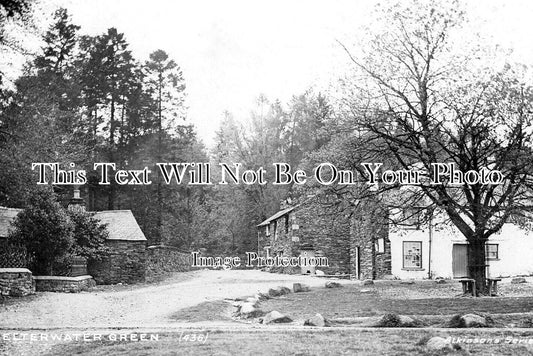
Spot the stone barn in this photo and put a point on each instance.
(126, 262)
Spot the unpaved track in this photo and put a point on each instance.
(140, 306)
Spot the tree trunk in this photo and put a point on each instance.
(476, 264)
(112, 188)
(159, 157)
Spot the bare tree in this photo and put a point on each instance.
(415, 103)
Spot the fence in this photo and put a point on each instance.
(12, 256)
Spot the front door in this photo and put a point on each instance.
(460, 261)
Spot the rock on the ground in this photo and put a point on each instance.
(406, 320)
(262, 296)
(407, 282)
(252, 300)
(333, 284)
(474, 321)
(317, 320)
(518, 280)
(248, 310)
(275, 317)
(392, 320)
(319, 273)
(368, 282)
(365, 291)
(300, 287)
(278, 291)
(440, 280)
(437, 343)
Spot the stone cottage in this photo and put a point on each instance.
(353, 245)
(126, 262)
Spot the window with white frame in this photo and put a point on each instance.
(379, 245)
(412, 254)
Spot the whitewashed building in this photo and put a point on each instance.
(440, 250)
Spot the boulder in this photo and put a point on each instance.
(248, 310)
(365, 291)
(406, 320)
(474, 321)
(392, 320)
(252, 300)
(262, 296)
(333, 284)
(275, 317)
(440, 280)
(317, 320)
(319, 273)
(438, 343)
(278, 291)
(368, 282)
(300, 287)
(518, 280)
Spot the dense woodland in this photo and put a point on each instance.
(85, 99)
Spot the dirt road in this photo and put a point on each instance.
(143, 305)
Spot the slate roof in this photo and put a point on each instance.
(6, 216)
(277, 215)
(121, 224)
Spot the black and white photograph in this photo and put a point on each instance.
(246, 177)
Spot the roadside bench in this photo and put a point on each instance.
(493, 285)
(469, 286)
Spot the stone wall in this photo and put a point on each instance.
(327, 231)
(63, 284)
(16, 282)
(126, 263)
(163, 260)
(368, 225)
(314, 226)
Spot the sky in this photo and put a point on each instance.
(231, 51)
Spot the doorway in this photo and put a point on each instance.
(307, 254)
(460, 260)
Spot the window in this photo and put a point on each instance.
(379, 245)
(267, 230)
(275, 228)
(491, 251)
(412, 254)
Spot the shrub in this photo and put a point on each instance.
(89, 235)
(46, 232)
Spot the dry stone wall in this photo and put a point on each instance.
(16, 282)
(125, 263)
(163, 260)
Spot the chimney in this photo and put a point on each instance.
(76, 203)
